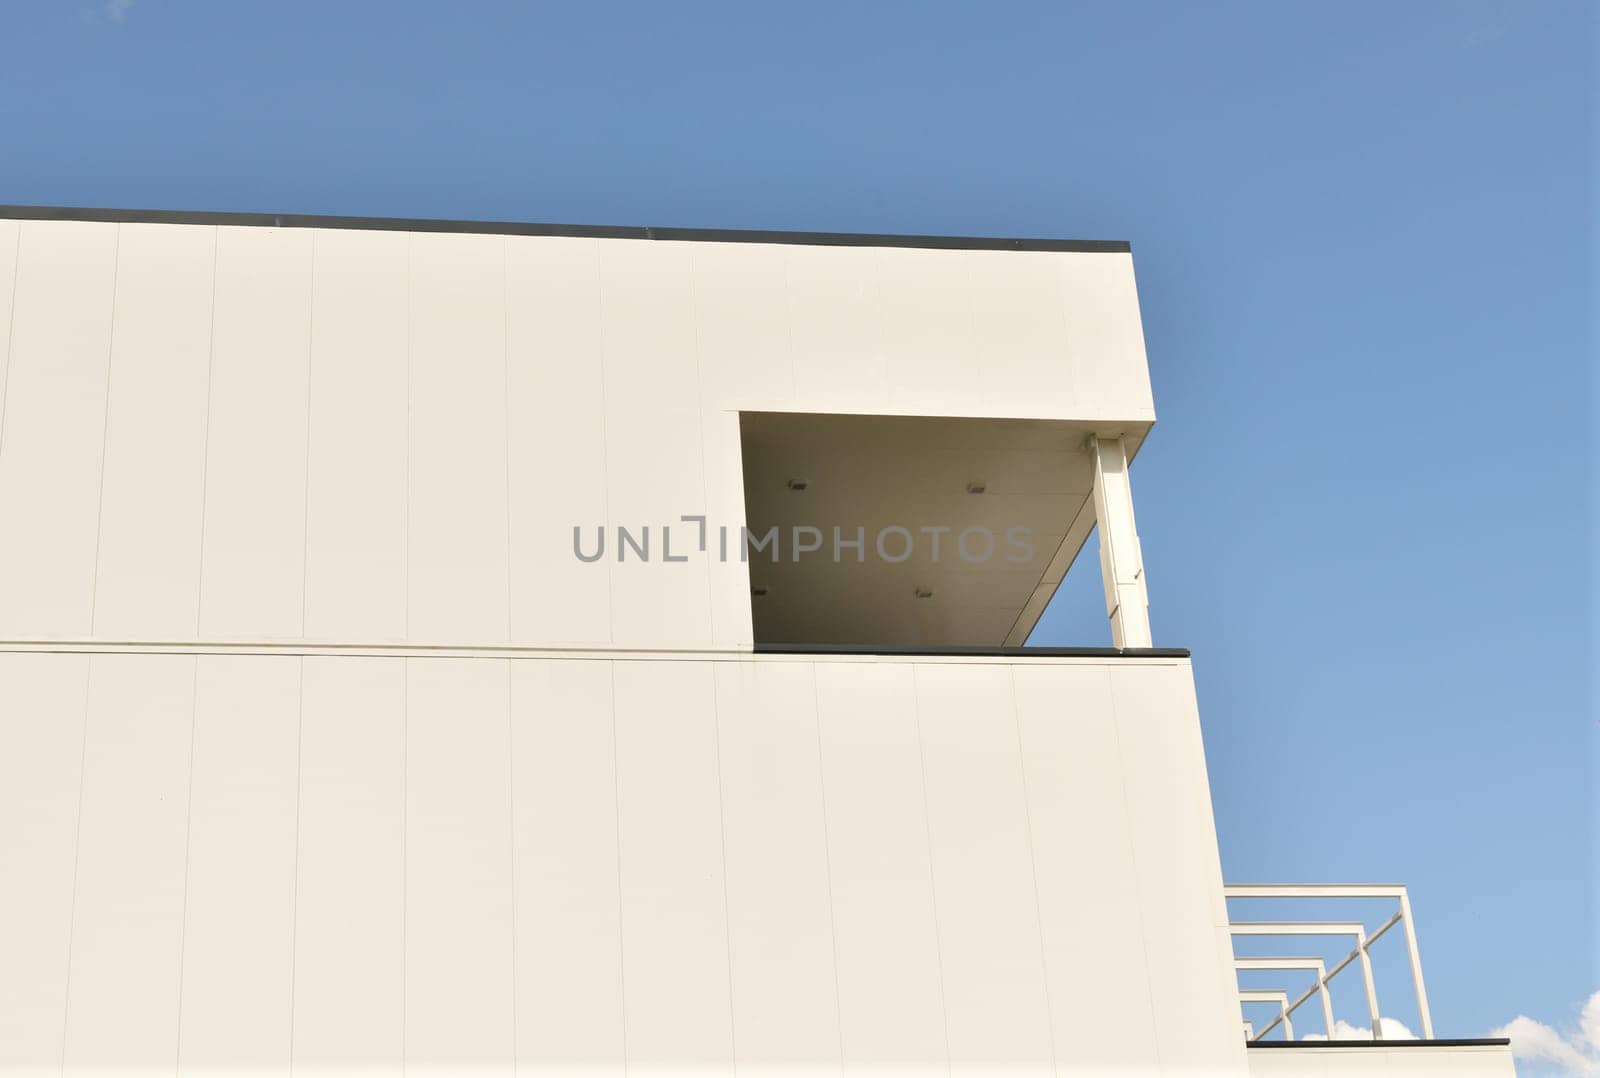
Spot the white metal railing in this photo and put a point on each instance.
(1354, 929)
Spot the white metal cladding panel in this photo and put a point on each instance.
(675, 978)
(568, 947)
(10, 234)
(891, 992)
(996, 998)
(459, 532)
(556, 402)
(780, 917)
(1179, 871)
(1104, 334)
(127, 913)
(349, 931)
(252, 579)
(459, 903)
(1017, 317)
(1310, 1061)
(930, 350)
(51, 433)
(1088, 887)
(835, 331)
(42, 699)
(562, 862)
(147, 582)
(238, 932)
(655, 460)
(356, 497)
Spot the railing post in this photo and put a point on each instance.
(1327, 1000)
(1372, 989)
(1416, 966)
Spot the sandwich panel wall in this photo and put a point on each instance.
(235, 1010)
(147, 580)
(127, 912)
(1023, 351)
(891, 987)
(51, 434)
(1179, 873)
(556, 402)
(1083, 857)
(42, 712)
(356, 474)
(459, 533)
(675, 965)
(569, 969)
(996, 996)
(10, 238)
(459, 906)
(655, 456)
(350, 917)
(780, 918)
(252, 580)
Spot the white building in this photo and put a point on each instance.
(327, 741)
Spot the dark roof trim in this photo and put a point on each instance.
(952, 649)
(1448, 1042)
(514, 228)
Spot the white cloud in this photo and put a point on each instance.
(117, 10)
(1576, 1052)
(1393, 1030)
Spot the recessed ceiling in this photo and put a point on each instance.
(1018, 489)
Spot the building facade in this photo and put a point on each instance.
(459, 648)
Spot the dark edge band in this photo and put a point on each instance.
(995, 652)
(513, 228)
(1448, 1042)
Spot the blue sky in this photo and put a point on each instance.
(1363, 234)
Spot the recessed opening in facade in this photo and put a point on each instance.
(902, 531)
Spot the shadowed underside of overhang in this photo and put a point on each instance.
(1007, 503)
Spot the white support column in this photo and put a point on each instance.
(1121, 561)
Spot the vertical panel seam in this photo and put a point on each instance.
(511, 838)
(105, 425)
(11, 327)
(505, 372)
(827, 863)
(406, 581)
(722, 845)
(933, 886)
(1133, 855)
(405, 838)
(205, 447)
(616, 819)
(188, 831)
(985, 382)
(605, 471)
(1033, 868)
(294, 899)
(77, 856)
(705, 476)
(305, 502)
(788, 318)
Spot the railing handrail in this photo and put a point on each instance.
(1364, 941)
